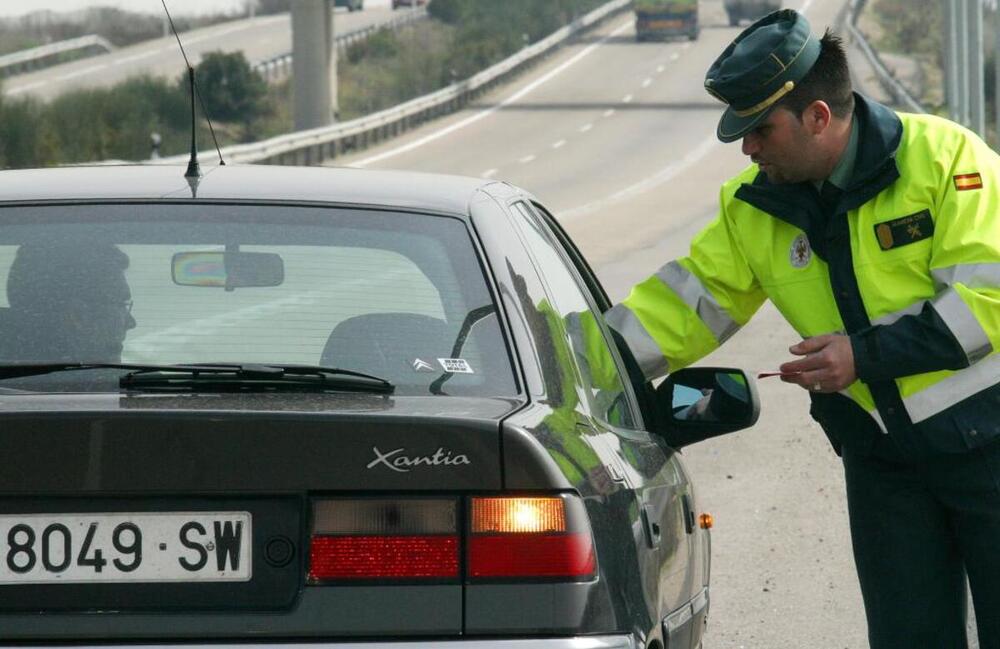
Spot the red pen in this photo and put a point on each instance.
(764, 375)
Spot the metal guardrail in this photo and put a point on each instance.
(896, 90)
(32, 59)
(316, 145)
(280, 67)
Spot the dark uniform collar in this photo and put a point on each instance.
(840, 177)
(880, 132)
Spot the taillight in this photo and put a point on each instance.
(418, 539)
(526, 537)
(385, 539)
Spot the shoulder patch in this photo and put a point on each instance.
(965, 182)
(904, 230)
(801, 253)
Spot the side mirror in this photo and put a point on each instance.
(697, 403)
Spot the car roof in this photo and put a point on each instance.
(397, 189)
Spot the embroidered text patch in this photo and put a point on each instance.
(904, 230)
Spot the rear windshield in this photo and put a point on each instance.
(379, 292)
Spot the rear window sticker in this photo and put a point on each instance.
(456, 365)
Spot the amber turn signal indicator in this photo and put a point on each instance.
(529, 537)
(705, 521)
(518, 515)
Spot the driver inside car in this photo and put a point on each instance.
(68, 303)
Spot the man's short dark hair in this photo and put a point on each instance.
(47, 275)
(829, 80)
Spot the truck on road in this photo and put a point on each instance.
(749, 9)
(662, 19)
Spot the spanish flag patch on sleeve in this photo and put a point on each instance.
(965, 182)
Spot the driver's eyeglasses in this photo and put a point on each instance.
(123, 307)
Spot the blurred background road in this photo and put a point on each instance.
(259, 38)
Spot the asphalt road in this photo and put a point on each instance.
(259, 39)
(617, 138)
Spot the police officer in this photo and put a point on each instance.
(877, 236)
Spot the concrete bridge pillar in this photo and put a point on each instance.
(314, 63)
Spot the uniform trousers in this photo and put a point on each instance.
(921, 522)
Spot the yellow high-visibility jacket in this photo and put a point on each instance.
(907, 262)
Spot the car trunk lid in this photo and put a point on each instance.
(226, 501)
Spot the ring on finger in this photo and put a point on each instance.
(817, 387)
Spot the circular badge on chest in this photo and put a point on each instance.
(801, 253)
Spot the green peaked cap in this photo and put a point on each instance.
(761, 66)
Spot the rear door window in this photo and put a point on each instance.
(611, 402)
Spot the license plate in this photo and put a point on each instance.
(666, 24)
(125, 547)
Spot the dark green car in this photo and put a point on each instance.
(352, 5)
(292, 405)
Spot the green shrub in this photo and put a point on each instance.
(116, 122)
(25, 139)
(231, 89)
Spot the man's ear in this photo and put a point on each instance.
(817, 117)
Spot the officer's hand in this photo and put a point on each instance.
(828, 365)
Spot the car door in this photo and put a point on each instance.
(664, 518)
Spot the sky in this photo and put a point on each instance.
(10, 8)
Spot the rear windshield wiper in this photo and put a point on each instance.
(228, 376)
(243, 376)
(19, 370)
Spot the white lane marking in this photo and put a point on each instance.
(647, 82)
(136, 57)
(218, 34)
(586, 127)
(528, 158)
(246, 24)
(26, 87)
(663, 175)
(675, 56)
(627, 99)
(609, 112)
(646, 184)
(80, 73)
(661, 68)
(559, 144)
(489, 173)
(489, 111)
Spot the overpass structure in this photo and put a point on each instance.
(44, 55)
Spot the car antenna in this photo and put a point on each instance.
(194, 169)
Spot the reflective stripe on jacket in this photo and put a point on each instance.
(907, 263)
